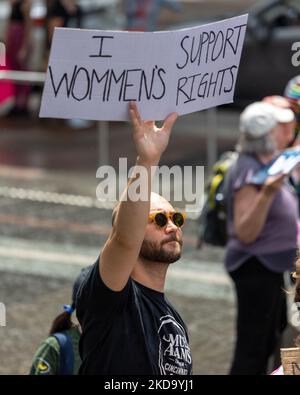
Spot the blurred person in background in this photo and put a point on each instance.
(290, 99)
(17, 41)
(142, 15)
(286, 139)
(262, 238)
(59, 353)
(7, 94)
(292, 94)
(59, 13)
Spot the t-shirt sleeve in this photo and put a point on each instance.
(244, 172)
(46, 360)
(95, 301)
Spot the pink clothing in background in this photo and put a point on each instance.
(278, 372)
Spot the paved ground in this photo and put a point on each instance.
(32, 301)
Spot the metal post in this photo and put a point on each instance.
(103, 141)
(211, 133)
(23, 77)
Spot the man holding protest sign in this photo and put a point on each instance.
(129, 327)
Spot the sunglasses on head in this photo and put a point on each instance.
(161, 218)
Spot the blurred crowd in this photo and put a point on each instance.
(23, 55)
(18, 41)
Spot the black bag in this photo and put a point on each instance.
(213, 217)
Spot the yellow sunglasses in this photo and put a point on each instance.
(161, 219)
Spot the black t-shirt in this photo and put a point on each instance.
(132, 332)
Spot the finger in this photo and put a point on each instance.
(280, 177)
(275, 179)
(134, 121)
(134, 116)
(133, 107)
(278, 180)
(151, 124)
(169, 121)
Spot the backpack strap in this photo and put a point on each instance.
(227, 183)
(215, 183)
(66, 353)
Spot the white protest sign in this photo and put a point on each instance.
(94, 74)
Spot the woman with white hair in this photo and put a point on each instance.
(262, 237)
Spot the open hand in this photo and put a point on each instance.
(150, 141)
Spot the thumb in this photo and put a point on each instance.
(169, 121)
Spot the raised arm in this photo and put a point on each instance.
(121, 250)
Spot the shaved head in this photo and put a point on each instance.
(157, 202)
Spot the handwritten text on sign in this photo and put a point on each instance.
(94, 74)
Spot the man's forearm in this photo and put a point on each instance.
(133, 208)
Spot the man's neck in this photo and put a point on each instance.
(150, 274)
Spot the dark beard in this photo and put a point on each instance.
(151, 252)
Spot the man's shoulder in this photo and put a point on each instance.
(95, 298)
(94, 280)
(90, 274)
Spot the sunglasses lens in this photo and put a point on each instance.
(161, 219)
(178, 219)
